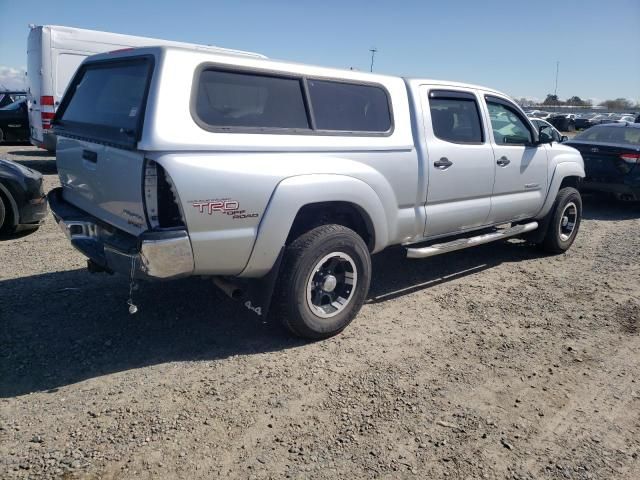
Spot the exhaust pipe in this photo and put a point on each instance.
(230, 289)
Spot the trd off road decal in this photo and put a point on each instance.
(222, 206)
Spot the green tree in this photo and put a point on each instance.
(552, 100)
(617, 104)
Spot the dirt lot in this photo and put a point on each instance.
(496, 362)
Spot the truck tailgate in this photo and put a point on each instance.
(98, 125)
(104, 181)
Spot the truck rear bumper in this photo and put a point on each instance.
(153, 255)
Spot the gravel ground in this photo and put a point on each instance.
(495, 362)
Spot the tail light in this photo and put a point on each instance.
(161, 199)
(46, 111)
(47, 117)
(632, 158)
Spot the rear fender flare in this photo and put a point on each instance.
(294, 193)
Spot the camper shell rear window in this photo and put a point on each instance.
(106, 101)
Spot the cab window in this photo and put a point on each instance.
(508, 127)
(455, 117)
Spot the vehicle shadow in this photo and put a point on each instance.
(17, 235)
(31, 152)
(45, 167)
(605, 207)
(63, 327)
(394, 275)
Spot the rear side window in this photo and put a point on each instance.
(230, 99)
(456, 120)
(349, 107)
(106, 100)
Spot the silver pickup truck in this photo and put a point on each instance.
(280, 180)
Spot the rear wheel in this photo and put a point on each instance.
(564, 221)
(1, 136)
(323, 282)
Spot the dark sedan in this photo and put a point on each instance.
(611, 156)
(23, 204)
(563, 122)
(14, 122)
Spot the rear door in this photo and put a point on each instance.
(36, 74)
(98, 126)
(460, 161)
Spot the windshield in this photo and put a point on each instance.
(610, 134)
(13, 106)
(106, 100)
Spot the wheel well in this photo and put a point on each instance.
(570, 182)
(342, 213)
(11, 214)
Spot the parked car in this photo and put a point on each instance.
(541, 114)
(545, 127)
(611, 154)
(621, 119)
(53, 55)
(14, 122)
(583, 120)
(23, 203)
(564, 122)
(283, 178)
(7, 97)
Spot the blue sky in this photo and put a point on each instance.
(509, 45)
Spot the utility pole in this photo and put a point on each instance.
(373, 54)
(555, 92)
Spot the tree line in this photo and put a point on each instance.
(575, 101)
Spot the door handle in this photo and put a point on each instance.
(443, 163)
(503, 161)
(89, 155)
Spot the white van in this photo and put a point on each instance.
(53, 55)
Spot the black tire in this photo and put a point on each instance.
(301, 301)
(1, 136)
(564, 223)
(3, 213)
(7, 226)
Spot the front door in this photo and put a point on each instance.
(521, 167)
(460, 165)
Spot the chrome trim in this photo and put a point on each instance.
(161, 258)
(167, 258)
(461, 243)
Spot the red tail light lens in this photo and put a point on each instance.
(47, 117)
(631, 157)
(160, 198)
(46, 100)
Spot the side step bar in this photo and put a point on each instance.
(462, 243)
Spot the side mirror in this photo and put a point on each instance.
(563, 138)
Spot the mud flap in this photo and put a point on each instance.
(257, 292)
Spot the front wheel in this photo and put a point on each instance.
(564, 222)
(323, 282)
